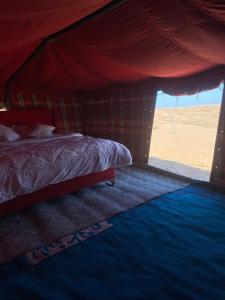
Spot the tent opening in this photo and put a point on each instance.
(184, 133)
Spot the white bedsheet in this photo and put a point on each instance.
(29, 165)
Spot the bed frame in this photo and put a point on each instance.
(52, 191)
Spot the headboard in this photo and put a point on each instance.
(27, 117)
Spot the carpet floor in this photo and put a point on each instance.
(171, 248)
(43, 223)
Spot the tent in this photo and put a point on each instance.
(99, 63)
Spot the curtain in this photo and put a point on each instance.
(124, 114)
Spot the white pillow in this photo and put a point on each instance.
(7, 134)
(42, 130)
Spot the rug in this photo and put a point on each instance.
(45, 222)
(169, 248)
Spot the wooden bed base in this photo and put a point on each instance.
(56, 190)
(52, 191)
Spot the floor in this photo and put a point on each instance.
(168, 248)
(180, 169)
(43, 223)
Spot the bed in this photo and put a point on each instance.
(79, 152)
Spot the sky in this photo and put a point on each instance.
(203, 98)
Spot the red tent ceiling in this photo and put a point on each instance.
(133, 41)
(24, 23)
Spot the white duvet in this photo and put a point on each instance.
(29, 165)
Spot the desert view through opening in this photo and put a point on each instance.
(184, 133)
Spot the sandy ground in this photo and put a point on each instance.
(183, 140)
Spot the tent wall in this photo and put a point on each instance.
(218, 166)
(67, 109)
(122, 113)
(2, 97)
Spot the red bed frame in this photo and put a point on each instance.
(54, 190)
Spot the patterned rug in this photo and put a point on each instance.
(43, 223)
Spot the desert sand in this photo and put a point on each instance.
(183, 140)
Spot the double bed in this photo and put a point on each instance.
(39, 169)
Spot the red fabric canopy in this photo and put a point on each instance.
(23, 24)
(135, 41)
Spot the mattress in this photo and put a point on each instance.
(31, 164)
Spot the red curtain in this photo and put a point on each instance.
(124, 114)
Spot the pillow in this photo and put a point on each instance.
(7, 134)
(24, 130)
(42, 130)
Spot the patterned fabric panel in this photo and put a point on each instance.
(122, 113)
(68, 110)
(125, 115)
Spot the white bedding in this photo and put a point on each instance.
(29, 165)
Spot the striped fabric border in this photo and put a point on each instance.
(39, 254)
(36, 256)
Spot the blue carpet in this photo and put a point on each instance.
(170, 248)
